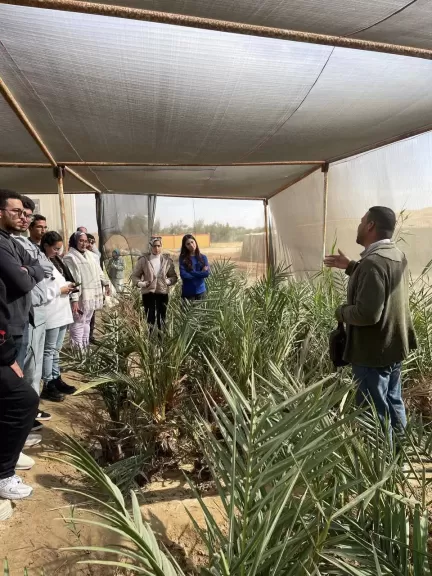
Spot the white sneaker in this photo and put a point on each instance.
(13, 488)
(24, 462)
(33, 440)
(5, 509)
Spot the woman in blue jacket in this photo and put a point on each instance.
(194, 269)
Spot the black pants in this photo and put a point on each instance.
(18, 409)
(155, 306)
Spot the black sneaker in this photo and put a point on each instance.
(36, 426)
(50, 392)
(63, 387)
(43, 416)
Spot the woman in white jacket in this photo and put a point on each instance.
(58, 318)
(91, 282)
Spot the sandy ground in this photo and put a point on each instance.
(36, 532)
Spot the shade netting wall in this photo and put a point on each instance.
(398, 176)
(125, 222)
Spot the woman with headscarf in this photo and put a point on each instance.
(194, 269)
(90, 281)
(115, 269)
(155, 273)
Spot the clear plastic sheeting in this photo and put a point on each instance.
(393, 21)
(297, 217)
(398, 176)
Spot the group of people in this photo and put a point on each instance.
(46, 291)
(155, 274)
(43, 293)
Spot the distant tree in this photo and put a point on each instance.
(218, 232)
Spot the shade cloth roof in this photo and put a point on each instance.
(108, 89)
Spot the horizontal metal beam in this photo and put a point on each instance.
(25, 165)
(221, 26)
(159, 164)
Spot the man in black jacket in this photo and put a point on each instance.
(18, 270)
(18, 408)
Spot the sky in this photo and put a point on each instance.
(247, 213)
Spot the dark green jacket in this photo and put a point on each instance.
(380, 331)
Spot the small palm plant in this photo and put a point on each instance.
(308, 483)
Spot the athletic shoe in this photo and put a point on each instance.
(24, 462)
(36, 426)
(6, 510)
(13, 488)
(33, 440)
(50, 392)
(43, 416)
(63, 387)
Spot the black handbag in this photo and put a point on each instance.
(337, 343)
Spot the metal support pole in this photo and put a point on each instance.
(83, 180)
(267, 238)
(325, 170)
(59, 173)
(10, 99)
(222, 26)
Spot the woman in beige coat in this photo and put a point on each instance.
(154, 273)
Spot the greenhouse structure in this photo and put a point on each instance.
(317, 109)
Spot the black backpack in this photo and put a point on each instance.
(337, 343)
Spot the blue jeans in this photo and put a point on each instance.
(53, 344)
(383, 387)
(21, 343)
(34, 357)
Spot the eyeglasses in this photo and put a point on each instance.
(16, 213)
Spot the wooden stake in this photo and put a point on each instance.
(267, 237)
(209, 165)
(83, 180)
(60, 177)
(325, 170)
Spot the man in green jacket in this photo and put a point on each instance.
(380, 332)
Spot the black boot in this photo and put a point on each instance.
(63, 387)
(50, 392)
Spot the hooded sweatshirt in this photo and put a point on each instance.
(380, 331)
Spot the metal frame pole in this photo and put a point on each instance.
(267, 238)
(59, 173)
(325, 170)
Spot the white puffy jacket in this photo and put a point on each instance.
(58, 311)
